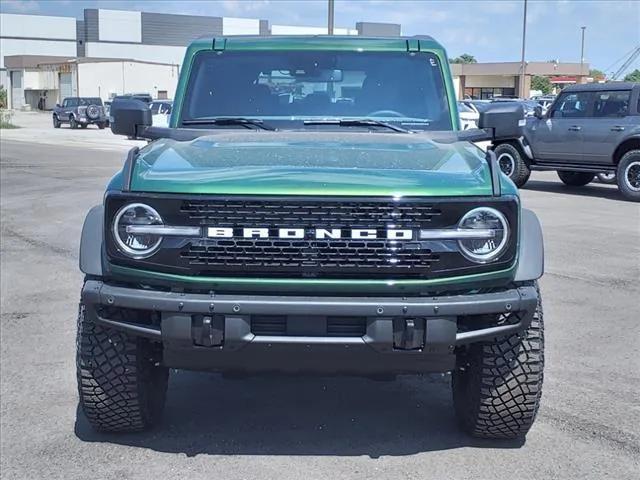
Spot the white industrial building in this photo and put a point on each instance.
(110, 52)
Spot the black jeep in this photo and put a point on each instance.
(80, 112)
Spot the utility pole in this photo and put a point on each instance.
(330, 18)
(582, 51)
(524, 39)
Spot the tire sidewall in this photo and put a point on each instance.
(520, 172)
(625, 188)
(72, 123)
(56, 122)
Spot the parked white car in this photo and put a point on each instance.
(468, 116)
(161, 112)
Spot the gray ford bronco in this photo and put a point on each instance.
(312, 208)
(589, 129)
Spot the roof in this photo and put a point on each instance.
(34, 61)
(320, 42)
(514, 68)
(595, 87)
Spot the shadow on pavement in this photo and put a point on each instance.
(207, 414)
(596, 190)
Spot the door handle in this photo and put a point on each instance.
(617, 128)
(575, 128)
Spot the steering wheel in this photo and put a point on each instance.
(386, 113)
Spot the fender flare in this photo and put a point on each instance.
(531, 250)
(91, 242)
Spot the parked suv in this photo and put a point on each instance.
(80, 112)
(589, 129)
(313, 207)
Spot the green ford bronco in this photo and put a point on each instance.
(312, 208)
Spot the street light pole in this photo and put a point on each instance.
(330, 18)
(582, 51)
(524, 39)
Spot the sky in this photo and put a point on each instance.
(489, 30)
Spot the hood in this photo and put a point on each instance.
(312, 163)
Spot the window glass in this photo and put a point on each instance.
(572, 105)
(290, 86)
(611, 104)
(90, 101)
(65, 103)
(73, 102)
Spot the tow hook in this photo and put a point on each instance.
(408, 333)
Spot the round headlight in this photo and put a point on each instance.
(495, 233)
(136, 245)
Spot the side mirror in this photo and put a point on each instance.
(537, 112)
(503, 120)
(130, 117)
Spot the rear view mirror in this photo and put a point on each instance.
(503, 120)
(318, 75)
(130, 117)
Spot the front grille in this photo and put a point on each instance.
(309, 257)
(310, 326)
(334, 214)
(308, 254)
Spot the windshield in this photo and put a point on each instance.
(89, 101)
(160, 107)
(287, 87)
(462, 107)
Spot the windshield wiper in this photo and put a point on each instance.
(358, 122)
(245, 122)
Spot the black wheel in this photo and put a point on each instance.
(56, 122)
(121, 386)
(512, 164)
(576, 179)
(497, 384)
(608, 178)
(72, 123)
(629, 175)
(101, 125)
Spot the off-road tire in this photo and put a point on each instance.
(121, 386)
(627, 166)
(519, 171)
(56, 122)
(575, 179)
(72, 123)
(497, 384)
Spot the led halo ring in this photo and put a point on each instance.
(126, 249)
(485, 257)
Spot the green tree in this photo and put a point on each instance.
(541, 83)
(633, 76)
(464, 58)
(596, 74)
(3, 97)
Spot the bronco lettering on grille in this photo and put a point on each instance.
(317, 233)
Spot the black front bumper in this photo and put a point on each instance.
(224, 340)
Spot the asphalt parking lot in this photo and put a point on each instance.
(290, 428)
